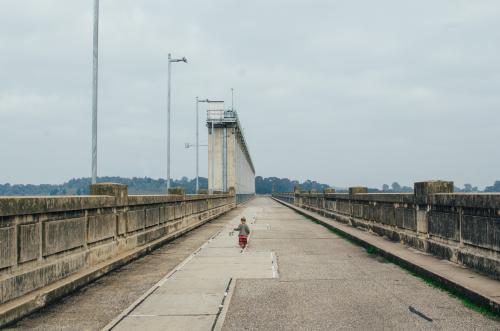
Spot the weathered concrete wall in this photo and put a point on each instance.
(45, 239)
(461, 227)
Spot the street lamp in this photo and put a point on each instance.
(94, 90)
(189, 145)
(197, 142)
(170, 60)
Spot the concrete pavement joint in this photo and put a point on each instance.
(222, 303)
(132, 307)
(222, 317)
(189, 258)
(274, 262)
(169, 315)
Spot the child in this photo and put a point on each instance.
(244, 231)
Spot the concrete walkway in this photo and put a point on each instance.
(324, 282)
(485, 290)
(328, 283)
(191, 297)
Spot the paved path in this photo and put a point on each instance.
(326, 283)
(455, 275)
(191, 297)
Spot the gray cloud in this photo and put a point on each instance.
(345, 92)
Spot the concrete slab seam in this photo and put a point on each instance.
(221, 306)
(222, 317)
(169, 315)
(186, 260)
(274, 262)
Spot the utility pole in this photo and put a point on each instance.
(170, 60)
(197, 148)
(232, 99)
(94, 90)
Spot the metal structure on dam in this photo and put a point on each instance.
(229, 160)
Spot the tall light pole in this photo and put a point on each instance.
(197, 147)
(94, 90)
(198, 142)
(170, 60)
(232, 99)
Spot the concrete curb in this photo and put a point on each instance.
(484, 300)
(16, 309)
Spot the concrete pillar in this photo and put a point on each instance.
(177, 191)
(119, 191)
(422, 191)
(326, 191)
(202, 191)
(422, 221)
(358, 190)
(297, 201)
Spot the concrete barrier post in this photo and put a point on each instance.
(327, 191)
(177, 191)
(232, 194)
(422, 192)
(296, 196)
(427, 188)
(358, 190)
(119, 191)
(355, 190)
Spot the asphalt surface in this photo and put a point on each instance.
(95, 305)
(328, 283)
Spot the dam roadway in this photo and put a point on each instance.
(294, 275)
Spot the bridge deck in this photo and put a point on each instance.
(323, 282)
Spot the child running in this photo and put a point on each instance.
(244, 231)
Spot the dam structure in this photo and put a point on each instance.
(314, 260)
(229, 162)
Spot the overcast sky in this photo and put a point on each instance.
(343, 92)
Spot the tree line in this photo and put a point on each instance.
(147, 185)
(81, 186)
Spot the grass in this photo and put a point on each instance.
(486, 311)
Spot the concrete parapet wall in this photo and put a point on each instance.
(461, 227)
(46, 239)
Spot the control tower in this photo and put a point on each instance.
(229, 161)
